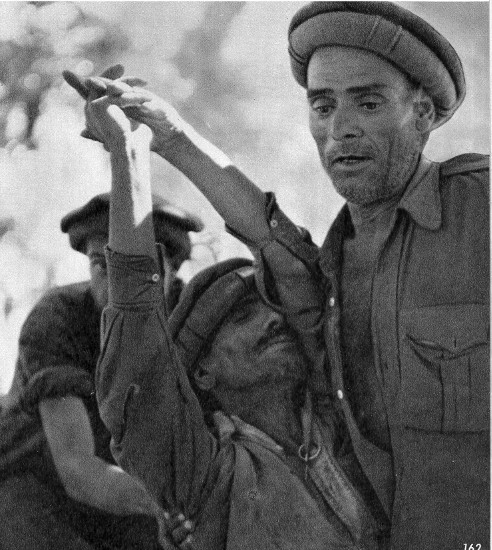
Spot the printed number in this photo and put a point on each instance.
(472, 546)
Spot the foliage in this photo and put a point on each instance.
(43, 39)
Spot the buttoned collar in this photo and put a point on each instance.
(421, 200)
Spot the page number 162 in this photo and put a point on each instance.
(472, 546)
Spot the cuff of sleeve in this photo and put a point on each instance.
(134, 281)
(55, 382)
(296, 240)
(273, 255)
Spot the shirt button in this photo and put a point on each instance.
(155, 277)
(331, 301)
(274, 223)
(340, 394)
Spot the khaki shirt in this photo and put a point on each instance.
(430, 332)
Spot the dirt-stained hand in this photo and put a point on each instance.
(175, 531)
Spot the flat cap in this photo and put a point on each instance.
(205, 303)
(171, 225)
(390, 31)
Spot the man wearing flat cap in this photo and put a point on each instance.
(87, 229)
(54, 448)
(400, 322)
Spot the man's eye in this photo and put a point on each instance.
(370, 105)
(322, 106)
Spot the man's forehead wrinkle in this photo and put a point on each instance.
(354, 90)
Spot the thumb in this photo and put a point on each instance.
(76, 83)
(88, 135)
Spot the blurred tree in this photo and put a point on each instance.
(42, 39)
(212, 93)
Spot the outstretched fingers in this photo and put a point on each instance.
(120, 92)
(77, 83)
(134, 81)
(81, 85)
(113, 72)
(125, 92)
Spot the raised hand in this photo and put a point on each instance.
(145, 107)
(109, 124)
(139, 104)
(80, 84)
(85, 86)
(115, 72)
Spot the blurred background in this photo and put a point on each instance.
(224, 65)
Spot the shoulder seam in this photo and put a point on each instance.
(476, 163)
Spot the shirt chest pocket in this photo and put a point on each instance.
(445, 368)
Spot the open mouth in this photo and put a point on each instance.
(350, 160)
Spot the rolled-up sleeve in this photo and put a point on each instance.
(49, 363)
(145, 399)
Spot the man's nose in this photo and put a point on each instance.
(273, 322)
(345, 124)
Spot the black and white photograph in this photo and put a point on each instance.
(244, 275)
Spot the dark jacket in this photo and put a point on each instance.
(58, 350)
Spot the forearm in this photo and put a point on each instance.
(131, 228)
(236, 198)
(107, 487)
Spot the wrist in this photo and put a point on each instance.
(171, 148)
(129, 148)
(189, 147)
(131, 141)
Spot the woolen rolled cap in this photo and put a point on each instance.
(171, 225)
(205, 303)
(389, 31)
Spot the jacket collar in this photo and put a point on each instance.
(421, 200)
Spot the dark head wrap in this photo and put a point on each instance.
(205, 303)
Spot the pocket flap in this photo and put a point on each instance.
(455, 328)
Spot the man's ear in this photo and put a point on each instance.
(425, 111)
(204, 378)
